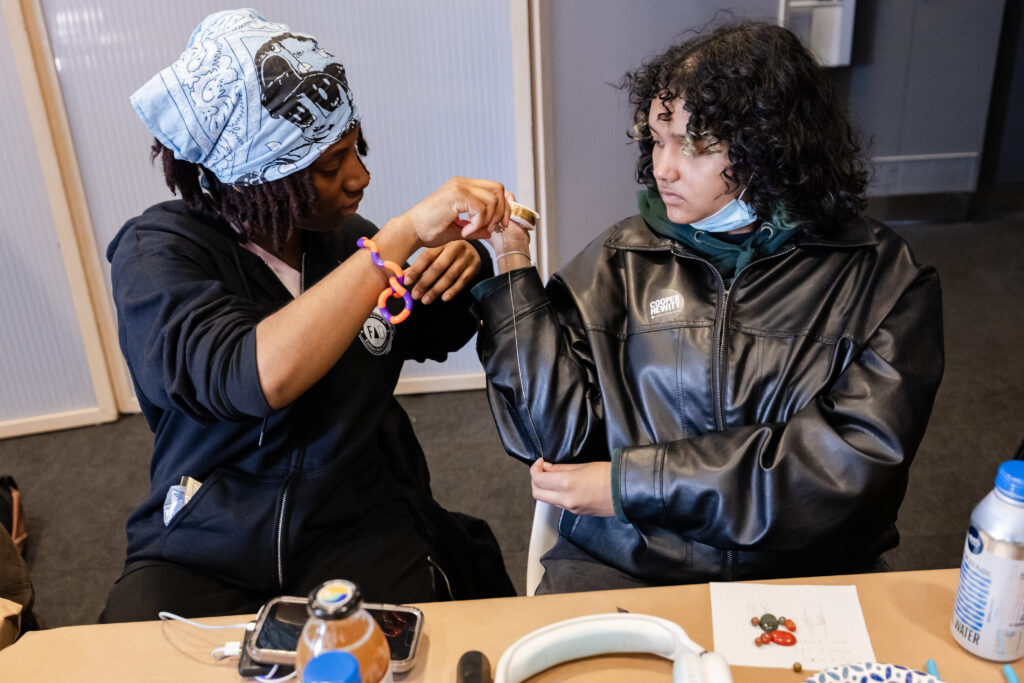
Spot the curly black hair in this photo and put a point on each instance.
(268, 212)
(756, 87)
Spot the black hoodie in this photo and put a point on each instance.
(188, 300)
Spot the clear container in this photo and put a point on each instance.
(337, 621)
(988, 615)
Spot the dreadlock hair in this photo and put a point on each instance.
(267, 211)
(756, 87)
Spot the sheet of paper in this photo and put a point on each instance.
(830, 628)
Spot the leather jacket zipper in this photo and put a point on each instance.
(729, 565)
(722, 319)
(718, 369)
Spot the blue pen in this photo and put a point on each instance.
(1011, 677)
(932, 669)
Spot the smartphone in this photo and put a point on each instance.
(279, 624)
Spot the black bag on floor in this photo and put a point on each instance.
(12, 518)
(15, 584)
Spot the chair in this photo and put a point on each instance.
(542, 536)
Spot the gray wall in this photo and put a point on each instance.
(591, 45)
(918, 88)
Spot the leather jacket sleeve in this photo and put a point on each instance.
(546, 400)
(840, 460)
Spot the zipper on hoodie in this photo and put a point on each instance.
(279, 539)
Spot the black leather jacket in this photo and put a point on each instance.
(760, 430)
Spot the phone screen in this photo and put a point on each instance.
(282, 627)
(400, 628)
(284, 622)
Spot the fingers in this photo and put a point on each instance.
(484, 206)
(467, 208)
(580, 488)
(422, 262)
(445, 271)
(550, 483)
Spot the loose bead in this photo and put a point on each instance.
(765, 638)
(790, 624)
(797, 667)
(768, 623)
(783, 638)
(755, 621)
(757, 641)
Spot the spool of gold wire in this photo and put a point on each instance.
(523, 216)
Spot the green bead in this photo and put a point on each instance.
(768, 623)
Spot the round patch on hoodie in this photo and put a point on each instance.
(377, 334)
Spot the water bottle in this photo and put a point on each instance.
(988, 615)
(337, 621)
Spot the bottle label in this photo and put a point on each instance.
(988, 616)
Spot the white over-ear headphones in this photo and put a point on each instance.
(607, 633)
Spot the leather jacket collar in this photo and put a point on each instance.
(633, 234)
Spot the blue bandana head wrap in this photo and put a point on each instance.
(250, 100)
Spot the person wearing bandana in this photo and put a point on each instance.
(731, 384)
(247, 316)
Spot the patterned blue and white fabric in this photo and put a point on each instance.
(251, 100)
(871, 672)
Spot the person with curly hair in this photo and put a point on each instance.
(733, 383)
(247, 313)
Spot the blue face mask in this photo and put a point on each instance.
(736, 214)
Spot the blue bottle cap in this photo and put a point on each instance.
(333, 666)
(1010, 480)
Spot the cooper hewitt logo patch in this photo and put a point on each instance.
(662, 306)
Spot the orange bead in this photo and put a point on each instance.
(790, 624)
(783, 638)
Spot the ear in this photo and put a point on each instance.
(611, 633)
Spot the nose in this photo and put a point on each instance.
(356, 177)
(662, 167)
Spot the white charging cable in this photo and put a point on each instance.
(232, 648)
(268, 678)
(164, 616)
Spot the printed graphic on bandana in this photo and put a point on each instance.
(377, 334)
(249, 99)
(300, 82)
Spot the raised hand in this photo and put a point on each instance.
(466, 208)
